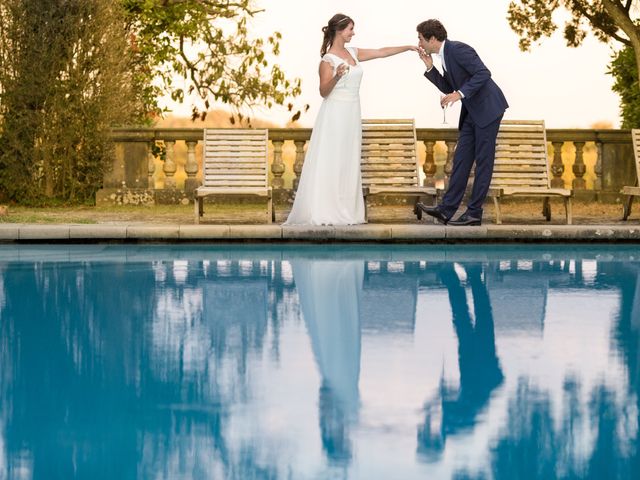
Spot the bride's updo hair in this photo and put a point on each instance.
(337, 23)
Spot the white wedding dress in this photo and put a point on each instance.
(330, 293)
(330, 187)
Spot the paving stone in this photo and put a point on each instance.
(466, 233)
(97, 232)
(312, 233)
(153, 232)
(411, 233)
(44, 232)
(418, 232)
(255, 232)
(204, 232)
(9, 232)
(363, 232)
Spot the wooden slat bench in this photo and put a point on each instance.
(235, 162)
(522, 167)
(634, 191)
(389, 160)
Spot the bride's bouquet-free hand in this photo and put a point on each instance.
(342, 70)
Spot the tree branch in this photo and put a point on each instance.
(190, 66)
(622, 40)
(621, 18)
(596, 22)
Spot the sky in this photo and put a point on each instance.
(566, 87)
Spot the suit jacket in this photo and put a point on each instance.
(483, 100)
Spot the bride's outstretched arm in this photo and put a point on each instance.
(365, 54)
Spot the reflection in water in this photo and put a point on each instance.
(330, 293)
(195, 362)
(455, 409)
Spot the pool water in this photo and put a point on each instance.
(315, 362)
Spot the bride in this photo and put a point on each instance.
(330, 187)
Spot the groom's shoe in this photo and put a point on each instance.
(436, 212)
(466, 220)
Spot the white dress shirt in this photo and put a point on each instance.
(444, 66)
(441, 55)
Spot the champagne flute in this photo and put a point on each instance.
(344, 68)
(444, 110)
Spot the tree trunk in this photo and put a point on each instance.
(626, 24)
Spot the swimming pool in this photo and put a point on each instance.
(332, 361)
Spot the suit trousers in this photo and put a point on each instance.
(477, 145)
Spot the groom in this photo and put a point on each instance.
(464, 78)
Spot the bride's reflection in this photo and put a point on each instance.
(330, 292)
(454, 409)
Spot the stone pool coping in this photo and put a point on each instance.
(390, 233)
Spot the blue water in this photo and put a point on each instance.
(316, 362)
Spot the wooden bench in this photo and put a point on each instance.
(634, 191)
(522, 168)
(389, 160)
(234, 162)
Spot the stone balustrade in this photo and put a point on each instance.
(164, 165)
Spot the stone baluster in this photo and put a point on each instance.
(597, 184)
(151, 167)
(170, 167)
(429, 167)
(448, 166)
(277, 274)
(191, 169)
(579, 168)
(297, 166)
(579, 272)
(277, 167)
(557, 167)
(235, 268)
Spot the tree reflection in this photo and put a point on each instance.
(534, 444)
(69, 367)
(151, 363)
(626, 337)
(530, 446)
(123, 361)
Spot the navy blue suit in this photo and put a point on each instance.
(483, 106)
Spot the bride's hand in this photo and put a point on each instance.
(425, 57)
(342, 70)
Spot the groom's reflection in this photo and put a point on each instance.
(330, 292)
(454, 409)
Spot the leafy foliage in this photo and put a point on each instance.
(72, 69)
(623, 68)
(533, 19)
(64, 81)
(202, 50)
(606, 19)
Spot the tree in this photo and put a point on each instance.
(623, 69)
(65, 79)
(201, 49)
(72, 69)
(607, 19)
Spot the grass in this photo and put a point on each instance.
(36, 217)
(520, 212)
(230, 213)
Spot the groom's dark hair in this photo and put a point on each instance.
(432, 28)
